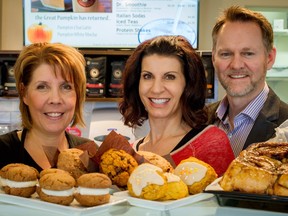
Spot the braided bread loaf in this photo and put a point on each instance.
(262, 168)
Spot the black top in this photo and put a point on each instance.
(12, 149)
(192, 133)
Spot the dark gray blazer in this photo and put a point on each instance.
(274, 113)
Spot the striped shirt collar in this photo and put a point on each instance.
(252, 109)
(243, 122)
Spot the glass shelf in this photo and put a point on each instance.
(283, 32)
(277, 74)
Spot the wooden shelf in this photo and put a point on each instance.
(105, 99)
(9, 52)
(108, 52)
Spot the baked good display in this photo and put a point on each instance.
(56, 187)
(117, 165)
(245, 175)
(176, 188)
(157, 160)
(196, 174)
(70, 161)
(262, 168)
(147, 181)
(19, 179)
(93, 189)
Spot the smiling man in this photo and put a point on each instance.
(242, 53)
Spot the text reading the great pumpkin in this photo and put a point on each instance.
(69, 17)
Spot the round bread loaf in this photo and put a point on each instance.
(19, 179)
(196, 174)
(157, 160)
(69, 160)
(93, 189)
(262, 168)
(57, 187)
(147, 181)
(117, 165)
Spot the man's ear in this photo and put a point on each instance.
(271, 58)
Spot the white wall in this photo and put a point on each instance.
(11, 25)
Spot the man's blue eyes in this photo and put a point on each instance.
(242, 54)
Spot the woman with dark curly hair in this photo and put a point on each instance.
(164, 81)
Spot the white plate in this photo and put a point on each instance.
(73, 209)
(214, 185)
(162, 205)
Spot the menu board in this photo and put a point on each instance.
(108, 23)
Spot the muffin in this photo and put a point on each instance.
(57, 187)
(19, 179)
(93, 189)
(157, 160)
(196, 174)
(147, 181)
(117, 165)
(176, 188)
(69, 160)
